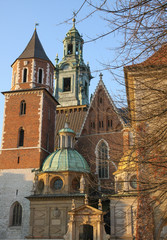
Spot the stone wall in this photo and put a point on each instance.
(16, 184)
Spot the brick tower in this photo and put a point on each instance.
(28, 134)
(29, 117)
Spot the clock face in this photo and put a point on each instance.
(58, 184)
(133, 182)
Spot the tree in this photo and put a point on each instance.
(143, 24)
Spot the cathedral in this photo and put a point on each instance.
(63, 158)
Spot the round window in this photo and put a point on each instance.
(133, 182)
(58, 184)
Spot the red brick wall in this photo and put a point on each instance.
(37, 105)
(18, 67)
(102, 111)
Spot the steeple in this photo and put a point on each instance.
(34, 49)
(33, 69)
(72, 74)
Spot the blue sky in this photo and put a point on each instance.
(17, 21)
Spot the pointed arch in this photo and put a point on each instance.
(40, 75)
(15, 214)
(23, 107)
(102, 159)
(25, 73)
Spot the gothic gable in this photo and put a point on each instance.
(102, 115)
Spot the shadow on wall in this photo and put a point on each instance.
(15, 185)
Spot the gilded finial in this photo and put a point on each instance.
(100, 205)
(57, 58)
(66, 121)
(74, 20)
(36, 24)
(73, 204)
(67, 117)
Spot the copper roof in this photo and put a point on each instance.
(34, 49)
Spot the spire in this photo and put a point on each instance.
(34, 49)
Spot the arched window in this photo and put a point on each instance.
(63, 141)
(25, 75)
(16, 214)
(69, 142)
(22, 107)
(40, 76)
(21, 137)
(103, 164)
(70, 49)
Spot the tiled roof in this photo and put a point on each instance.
(159, 58)
(75, 119)
(34, 49)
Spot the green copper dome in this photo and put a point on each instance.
(65, 160)
(66, 130)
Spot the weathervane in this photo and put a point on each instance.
(36, 24)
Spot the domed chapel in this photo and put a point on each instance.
(60, 151)
(63, 158)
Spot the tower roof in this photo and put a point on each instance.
(73, 32)
(34, 49)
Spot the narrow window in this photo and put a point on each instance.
(77, 50)
(22, 107)
(70, 49)
(21, 137)
(69, 141)
(94, 125)
(111, 123)
(103, 166)
(25, 75)
(18, 160)
(17, 215)
(63, 141)
(40, 76)
(101, 100)
(99, 124)
(67, 85)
